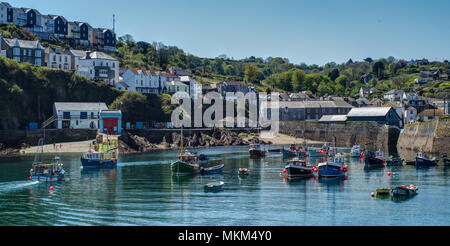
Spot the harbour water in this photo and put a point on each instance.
(142, 191)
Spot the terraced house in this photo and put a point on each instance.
(24, 51)
(48, 26)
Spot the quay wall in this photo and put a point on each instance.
(367, 134)
(22, 138)
(431, 137)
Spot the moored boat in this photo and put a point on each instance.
(394, 161)
(214, 187)
(256, 151)
(212, 170)
(96, 159)
(188, 162)
(383, 191)
(374, 159)
(298, 169)
(243, 171)
(333, 168)
(356, 151)
(404, 191)
(423, 160)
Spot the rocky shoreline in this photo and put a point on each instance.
(133, 143)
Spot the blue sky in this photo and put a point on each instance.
(314, 32)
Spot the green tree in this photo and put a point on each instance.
(298, 79)
(251, 73)
(378, 69)
(333, 74)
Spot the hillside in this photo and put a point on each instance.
(26, 90)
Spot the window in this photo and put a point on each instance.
(16, 51)
(83, 115)
(66, 115)
(38, 61)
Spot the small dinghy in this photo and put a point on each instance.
(404, 191)
(394, 161)
(214, 187)
(383, 191)
(243, 171)
(212, 170)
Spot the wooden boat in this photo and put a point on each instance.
(214, 187)
(212, 170)
(383, 191)
(423, 160)
(298, 169)
(188, 163)
(374, 159)
(394, 161)
(333, 168)
(404, 191)
(243, 171)
(256, 151)
(356, 151)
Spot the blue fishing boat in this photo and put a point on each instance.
(96, 159)
(423, 160)
(374, 159)
(319, 152)
(46, 172)
(212, 170)
(333, 168)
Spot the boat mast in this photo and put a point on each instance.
(182, 144)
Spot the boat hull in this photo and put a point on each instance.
(212, 170)
(331, 171)
(316, 153)
(183, 168)
(423, 162)
(405, 192)
(372, 161)
(214, 187)
(294, 171)
(257, 153)
(98, 163)
(48, 178)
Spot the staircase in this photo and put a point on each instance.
(48, 122)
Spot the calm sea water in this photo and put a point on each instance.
(142, 191)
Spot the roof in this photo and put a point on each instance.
(432, 112)
(6, 4)
(392, 92)
(78, 53)
(314, 104)
(79, 106)
(173, 82)
(99, 55)
(22, 43)
(392, 105)
(333, 118)
(369, 112)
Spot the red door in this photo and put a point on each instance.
(110, 125)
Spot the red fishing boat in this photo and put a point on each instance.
(257, 151)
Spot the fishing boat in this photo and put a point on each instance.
(423, 160)
(298, 169)
(356, 151)
(319, 152)
(295, 151)
(394, 161)
(214, 187)
(188, 162)
(333, 168)
(243, 171)
(374, 159)
(211, 170)
(256, 151)
(47, 172)
(404, 191)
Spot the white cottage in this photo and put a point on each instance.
(77, 115)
